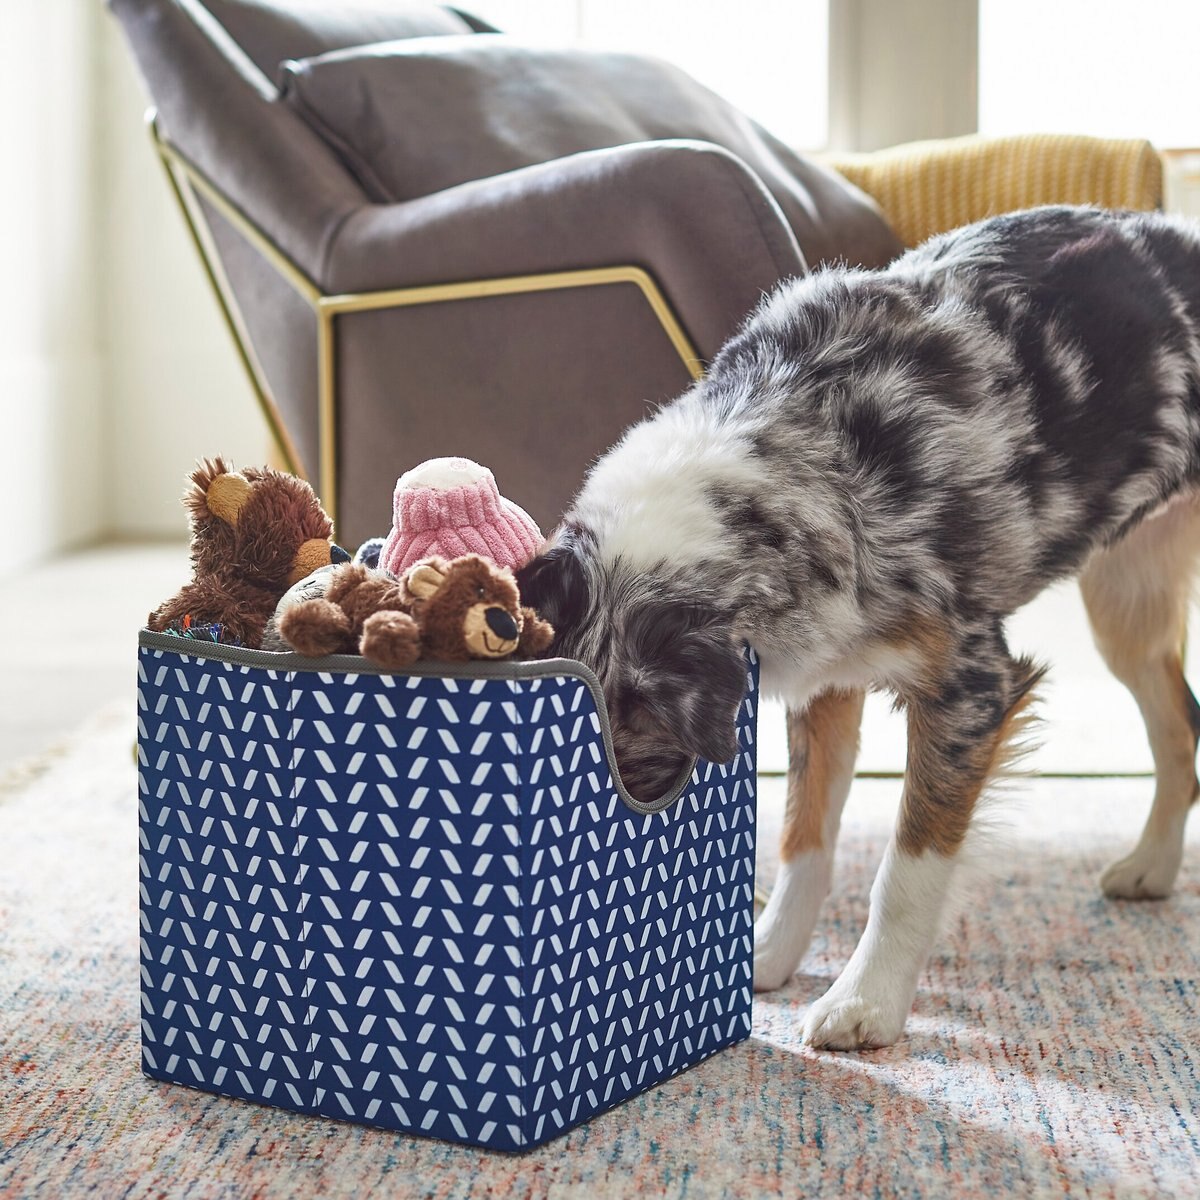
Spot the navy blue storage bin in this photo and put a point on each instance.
(422, 901)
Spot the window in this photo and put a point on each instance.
(768, 57)
(1101, 67)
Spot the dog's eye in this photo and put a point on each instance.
(480, 591)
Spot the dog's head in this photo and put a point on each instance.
(673, 677)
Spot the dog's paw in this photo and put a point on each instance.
(785, 928)
(845, 1019)
(1146, 874)
(776, 956)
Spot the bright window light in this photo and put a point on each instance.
(768, 57)
(1102, 67)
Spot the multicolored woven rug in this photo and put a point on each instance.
(1053, 1050)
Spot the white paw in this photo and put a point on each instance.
(783, 931)
(776, 956)
(1146, 874)
(845, 1019)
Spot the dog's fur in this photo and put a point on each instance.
(876, 471)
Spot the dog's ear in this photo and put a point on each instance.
(555, 585)
(688, 678)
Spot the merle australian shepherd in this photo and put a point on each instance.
(876, 471)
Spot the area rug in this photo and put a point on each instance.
(1053, 1050)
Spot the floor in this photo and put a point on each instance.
(78, 616)
(1051, 1052)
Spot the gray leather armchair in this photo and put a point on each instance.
(523, 318)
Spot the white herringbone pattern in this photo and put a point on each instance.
(420, 901)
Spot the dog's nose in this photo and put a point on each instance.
(337, 554)
(500, 622)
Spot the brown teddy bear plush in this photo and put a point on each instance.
(254, 534)
(470, 608)
(361, 612)
(462, 609)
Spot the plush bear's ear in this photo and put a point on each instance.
(226, 496)
(425, 578)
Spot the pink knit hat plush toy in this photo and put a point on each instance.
(451, 507)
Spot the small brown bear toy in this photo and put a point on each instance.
(470, 608)
(254, 533)
(361, 612)
(462, 609)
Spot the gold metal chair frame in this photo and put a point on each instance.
(188, 183)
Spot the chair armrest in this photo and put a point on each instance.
(691, 214)
(223, 115)
(928, 187)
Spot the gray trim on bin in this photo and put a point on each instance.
(353, 664)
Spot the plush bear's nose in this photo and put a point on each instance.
(337, 554)
(500, 622)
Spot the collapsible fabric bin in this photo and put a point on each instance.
(422, 901)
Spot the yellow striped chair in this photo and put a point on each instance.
(928, 187)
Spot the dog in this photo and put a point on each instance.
(876, 471)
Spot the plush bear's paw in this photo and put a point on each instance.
(536, 634)
(391, 640)
(315, 628)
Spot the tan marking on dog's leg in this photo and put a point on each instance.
(822, 746)
(947, 770)
(927, 644)
(1137, 595)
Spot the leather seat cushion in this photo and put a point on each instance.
(414, 117)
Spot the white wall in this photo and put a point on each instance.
(51, 368)
(175, 388)
(901, 71)
(1101, 67)
(116, 371)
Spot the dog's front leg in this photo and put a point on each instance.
(956, 741)
(822, 745)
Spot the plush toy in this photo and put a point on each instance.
(458, 610)
(368, 553)
(470, 608)
(254, 534)
(311, 587)
(449, 507)
(360, 612)
(197, 631)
